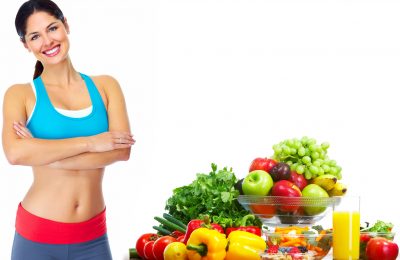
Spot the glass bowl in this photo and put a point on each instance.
(365, 236)
(310, 243)
(278, 210)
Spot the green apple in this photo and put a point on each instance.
(257, 182)
(314, 191)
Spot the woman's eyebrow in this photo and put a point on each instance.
(46, 28)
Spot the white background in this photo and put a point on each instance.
(222, 81)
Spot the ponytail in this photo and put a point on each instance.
(38, 69)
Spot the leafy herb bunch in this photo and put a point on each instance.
(210, 194)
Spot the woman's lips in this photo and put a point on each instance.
(52, 52)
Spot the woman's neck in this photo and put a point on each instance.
(61, 74)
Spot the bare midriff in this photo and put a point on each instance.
(65, 195)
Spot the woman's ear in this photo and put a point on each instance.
(66, 25)
(25, 45)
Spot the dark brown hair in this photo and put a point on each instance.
(26, 10)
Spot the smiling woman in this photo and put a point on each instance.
(68, 126)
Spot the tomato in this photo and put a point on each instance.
(160, 245)
(142, 240)
(175, 251)
(380, 248)
(148, 250)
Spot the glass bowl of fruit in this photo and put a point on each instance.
(379, 229)
(297, 242)
(281, 210)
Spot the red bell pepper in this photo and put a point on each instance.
(251, 229)
(197, 223)
(218, 227)
(191, 226)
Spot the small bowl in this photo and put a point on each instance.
(365, 236)
(314, 245)
(278, 210)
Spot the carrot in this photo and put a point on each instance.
(291, 242)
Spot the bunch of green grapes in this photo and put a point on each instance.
(306, 157)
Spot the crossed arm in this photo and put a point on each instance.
(78, 153)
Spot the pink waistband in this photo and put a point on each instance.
(47, 231)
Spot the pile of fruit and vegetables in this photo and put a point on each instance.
(205, 220)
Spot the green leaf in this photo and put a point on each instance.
(225, 196)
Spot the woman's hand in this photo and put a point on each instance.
(21, 130)
(109, 141)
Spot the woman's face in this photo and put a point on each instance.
(47, 38)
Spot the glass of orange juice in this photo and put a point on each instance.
(346, 228)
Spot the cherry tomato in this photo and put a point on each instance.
(379, 248)
(160, 244)
(175, 251)
(142, 240)
(148, 250)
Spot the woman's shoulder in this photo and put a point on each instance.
(19, 90)
(106, 82)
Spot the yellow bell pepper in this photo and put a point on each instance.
(206, 244)
(244, 245)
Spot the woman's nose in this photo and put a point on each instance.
(47, 40)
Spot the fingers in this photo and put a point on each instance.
(122, 146)
(21, 130)
(123, 138)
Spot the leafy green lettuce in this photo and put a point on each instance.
(379, 226)
(210, 194)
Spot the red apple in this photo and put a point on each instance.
(286, 188)
(264, 164)
(298, 179)
(379, 248)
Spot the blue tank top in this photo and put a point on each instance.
(47, 123)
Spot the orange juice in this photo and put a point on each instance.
(346, 235)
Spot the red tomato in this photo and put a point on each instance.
(380, 248)
(148, 250)
(160, 245)
(142, 240)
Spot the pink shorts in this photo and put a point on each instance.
(47, 231)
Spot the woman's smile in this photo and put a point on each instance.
(53, 51)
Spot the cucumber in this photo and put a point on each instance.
(169, 225)
(133, 254)
(162, 231)
(170, 218)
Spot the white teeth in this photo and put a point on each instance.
(52, 50)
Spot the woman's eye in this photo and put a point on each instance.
(53, 28)
(34, 37)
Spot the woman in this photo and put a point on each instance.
(68, 127)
